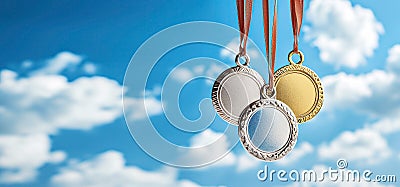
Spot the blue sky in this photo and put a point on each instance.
(62, 70)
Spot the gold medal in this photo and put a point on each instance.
(300, 88)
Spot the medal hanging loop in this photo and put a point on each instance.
(244, 17)
(270, 53)
(296, 11)
(246, 57)
(290, 59)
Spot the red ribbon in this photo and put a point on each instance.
(270, 57)
(296, 10)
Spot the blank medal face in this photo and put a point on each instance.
(268, 129)
(233, 90)
(300, 88)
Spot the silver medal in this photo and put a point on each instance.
(268, 129)
(236, 88)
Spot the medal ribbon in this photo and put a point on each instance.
(296, 10)
(244, 23)
(270, 57)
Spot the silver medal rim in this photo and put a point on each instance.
(219, 82)
(245, 117)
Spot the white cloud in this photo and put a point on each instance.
(365, 146)
(183, 74)
(211, 149)
(27, 64)
(393, 59)
(208, 140)
(232, 49)
(59, 63)
(22, 155)
(140, 108)
(89, 68)
(148, 104)
(297, 154)
(43, 103)
(246, 162)
(394, 54)
(110, 169)
(49, 103)
(374, 94)
(386, 125)
(367, 92)
(228, 160)
(345, 34)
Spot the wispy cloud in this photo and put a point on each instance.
(149, 104)
(214, 144)
(393, 58)
(90, 68)
(211, 72)
(59, 63)
(110, 169)
(298, 153)
(232, 49)
(364, 146)
(246, 162)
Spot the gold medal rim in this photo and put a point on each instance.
(313, 77)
